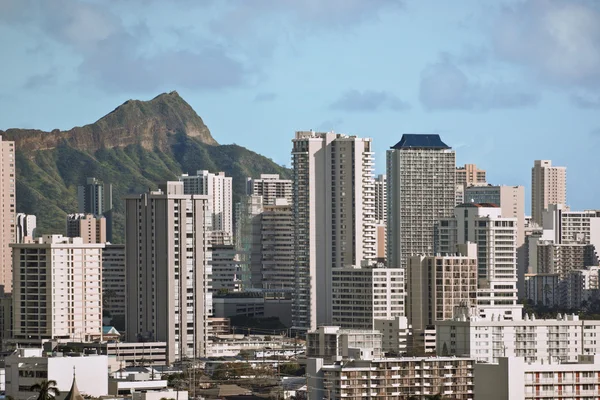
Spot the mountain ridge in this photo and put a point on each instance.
(136, 146)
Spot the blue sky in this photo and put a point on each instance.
(502, 82)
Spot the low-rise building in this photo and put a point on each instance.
(126, 353)
(515, 378)
(232, 345)
(395, 334)
(391, 378)
(334, 343)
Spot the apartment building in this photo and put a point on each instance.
(57, 290)
(552, 258)
(277, 253)
(436, 285)
(563, 226)
(334, 216)
(362, 295)
(96, 198)
(421, 176)
(495, 237)
(226, 269)
(380, 218)
(8, 201)
(548, 186)
(270, 187)
(580, 286)
(515, 378)
(391, 378)
(26, 227)
(333, 343)
(91, 228)
(113, 284)
(219, 189)
(469, 175)
(396, 334)
(543, 289)
(565, 338)
(168, 271)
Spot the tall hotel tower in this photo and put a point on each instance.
(334, 217)
(421, 176)
(548, 186)
(167, 270)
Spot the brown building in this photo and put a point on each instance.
(88, 227)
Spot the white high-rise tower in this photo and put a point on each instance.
(548, 186)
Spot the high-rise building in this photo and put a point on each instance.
(271, 187)
(89, 227)
(168, 271)
(495, 237)
(60, 284)
(95, 197)
(26, 226)
(362, 295)
(334, 216)
(421, 189)
(226, 274)
(113, 284)
(219, 188)
(438, 284)
(277, 255)
(381, 199)
(8, 200)
(548, 186)
(469, 175)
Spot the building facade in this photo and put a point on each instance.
(58, 290)
(26, 227)
(168, 271)
(96, 198)
(421, 176)
(91, 228)
(470, 175)
(8, 201)
(114, 289)
(334, 216)
(270, 187)
(548, 186)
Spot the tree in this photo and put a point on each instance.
(47, 390)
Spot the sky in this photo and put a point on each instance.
(502, 82)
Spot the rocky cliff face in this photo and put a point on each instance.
(149, 124)
(135, 147)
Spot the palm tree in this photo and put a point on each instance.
(47, 390)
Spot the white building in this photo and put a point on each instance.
(334, 216)
(219, 189)
(333, 343)
(534, 339)
(495, 237)
(113, 283)
(361, 295)
(421, 177)
(60, 284)
(26, 227)
(515, 378)
(27, 367)
(563, 226)
(168, 269)
(548, 186)
(270, 187)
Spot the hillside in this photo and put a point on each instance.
(135, 147)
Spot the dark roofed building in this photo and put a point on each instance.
(420, 141)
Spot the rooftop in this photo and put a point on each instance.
(420, 141)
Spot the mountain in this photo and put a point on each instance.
(135, 147)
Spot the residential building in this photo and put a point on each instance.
(114, 290)
(26, 227)
(580, 287)
(436, 285)
(58, 287)
(248, 241)
(333, 343)
(381, 199)
(421, 178)
(6, 320)
(552, 258)
(548, 186)
(95, 197)
(470, 175)
(334, 216)
(219, 189)
(91, 228)
(168, 271)
(27, 367)
(395, 334)
(226, 271)
(271, 187)
(487, 340)
(228, 345)
(495, 237)
(125, 354)
(391, 378)
(8, 214)
(362, 295)
(543, 289)
(563, 226)
(516, 378)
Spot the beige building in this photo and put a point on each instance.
(168, 271)
(334, 200)
(219, 189)
(436, 285)
(60, 284)
(92, 229)
(95, 197)
(469, 175)
(421, 189)
(8, 200)
(277, 255)
(548, 186)
(270, 187)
